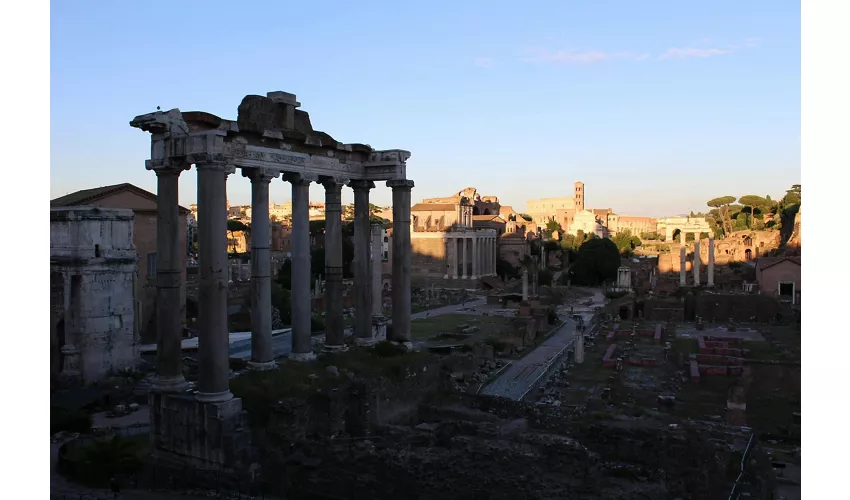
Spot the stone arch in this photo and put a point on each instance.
(487, 211)
(475, 211)
(748, 254)
(748, 241)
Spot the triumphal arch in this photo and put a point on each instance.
(270, 138)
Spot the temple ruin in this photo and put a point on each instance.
(270, 138)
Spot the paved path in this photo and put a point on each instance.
(521, 375)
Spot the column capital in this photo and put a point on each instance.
(330, 181)
(301, 178)
(400, 184)
(257, 174)
(361, 185)
(166, 167)
(333, 183)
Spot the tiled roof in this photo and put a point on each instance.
(433, 207)
(87, 196)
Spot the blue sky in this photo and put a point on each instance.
(656, 106)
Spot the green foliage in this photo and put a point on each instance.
(234, 225)
(101, 462)
(552, 316)
(615, 294)
(553, 226)
(650, 236)
(626, 242)
(282, 299)
(552, 245)
(374, 213)
(317, 324)
(526, 217)
(69, 420)
(504, 268)
(723, 206)
(596, 262)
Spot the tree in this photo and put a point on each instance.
(722, 205)
(553, 226)
(626, 242)
(753, 202)
(597, 261)
(526, 217)
(374, 211)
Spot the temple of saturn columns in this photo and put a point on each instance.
(270, 138)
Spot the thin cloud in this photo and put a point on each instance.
(484, 62)
(692, 53)
(576, 57)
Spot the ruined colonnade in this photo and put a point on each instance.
(216, 147)
(683, 275)
(471, 254)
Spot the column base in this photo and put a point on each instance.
(365, 342)
(445, 276)
(302, 356)
(214, 397)
(199, 434)
(379, 328)
(262, 365)
(407, 345)
(334, 348)
(473, 277)
(176, 383)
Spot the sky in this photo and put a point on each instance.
(657, 106)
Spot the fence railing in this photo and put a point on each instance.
(735, 494)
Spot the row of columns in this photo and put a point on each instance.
(480, 261)
(214, 370)
(696, 264)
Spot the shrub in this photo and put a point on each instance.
(98, 463)
(69, 420)
(615, 294)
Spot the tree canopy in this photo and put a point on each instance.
(597, 261)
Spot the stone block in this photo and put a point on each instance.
(205, 435)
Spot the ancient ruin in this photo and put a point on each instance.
(271, 137)
(93, 266)
(448, 248)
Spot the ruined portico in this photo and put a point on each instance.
(271, 137)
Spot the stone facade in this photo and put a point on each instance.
(93, 261)
(455, 239)
(143, 205)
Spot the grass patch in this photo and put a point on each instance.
(99, 462)
(263, 390)
(427, 328)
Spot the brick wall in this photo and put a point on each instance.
(428, 260)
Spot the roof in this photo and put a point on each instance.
(489, 218)
(87, 196)
(765, 262)
(434, 207)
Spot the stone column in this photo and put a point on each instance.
(475, 257)
(379, 323)
(710, 261)
(696, 259)
(334, 322)
(169, 368)
(454, 240)
(302, 348)
(525, 284)
(682, 265)
(214, 339)
(579, 346)
(262, 356)
(401, 259)
(465, 265)
(447, 242)
(363, 262)
(377, 243)
(494, 255)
